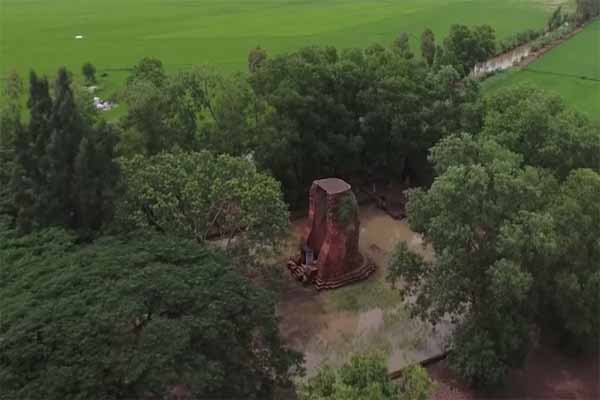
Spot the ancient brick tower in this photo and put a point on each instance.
(329, 256)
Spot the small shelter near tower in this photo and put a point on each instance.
(329, 256)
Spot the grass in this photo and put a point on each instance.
(40, 34)
(571, 70)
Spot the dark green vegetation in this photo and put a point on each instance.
(317, 112)
(365, 377)
(107, 229)
(137, 317)
(64, 172)
(129, 307)
(514, 220)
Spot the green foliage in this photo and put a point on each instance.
(371, 111)
(402, 45)
(556, 19)
(365, 377)
(89, 73)
(177, 33)
(464, 47)
(415, 384)
(428, 46)
(63, 170)
(518, 39)
(148, 69)
(586, 10)
(132, 317)
(507, 254)
(202, 195)
(255, 57)
(346, 209)
(11, 128)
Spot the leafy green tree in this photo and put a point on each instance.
(575, 289)
(586, 10)
(256, 56)
(166, 116)
(89, 73)
(500, 219)
(67, 130)
(138, 317)
(428, 46)
(555, 20)
(60, 160)
(96, 177)
(357, 112)
(541, 128)
(365, 377)
(402, 45)
(11, 130)
(202, 195)
(148, 69)
(464, 47)
(415, 384)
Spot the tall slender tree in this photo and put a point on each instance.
(67, 132)
(428, 46)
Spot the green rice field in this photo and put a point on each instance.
(571, 70)
(115, 34)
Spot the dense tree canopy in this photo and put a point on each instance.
(465, 46)
(63, 172)
(502, 218)
(355, 112)
(202, 195)
(132, 318)
(428, 46)
(586, 10)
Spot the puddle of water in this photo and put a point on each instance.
(328, 326)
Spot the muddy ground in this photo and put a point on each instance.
(369, 315)
(548, 374)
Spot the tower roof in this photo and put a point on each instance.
(333, 185)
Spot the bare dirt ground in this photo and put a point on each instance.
(548, 374)
(369, 315)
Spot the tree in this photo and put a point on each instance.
(505, 257)
(365, 377)
(464, 47)
(11, 130)
(586, 10)
(355, 113)
(402, 45)
(50, 162)
(67, 129)
(256, 56)
(555, 20)
(428, 46)
(138, 317)
(167, 116)
(96, 177)
(575, 291)
(202, 195)
(89, 73)
(148, 69)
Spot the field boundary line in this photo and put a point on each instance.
(562, 74)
